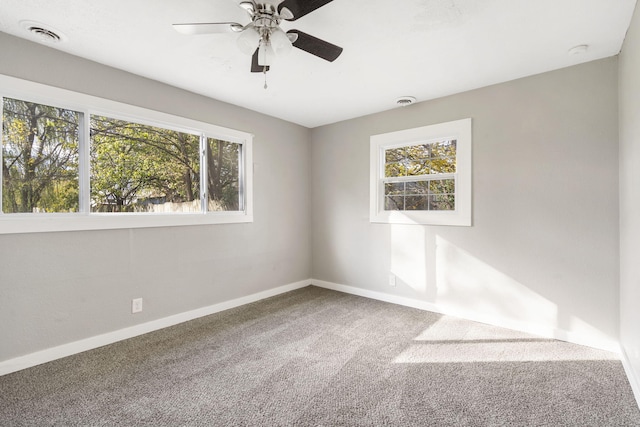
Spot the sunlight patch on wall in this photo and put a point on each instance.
(408, 256)
(468, 287)
(582, 332)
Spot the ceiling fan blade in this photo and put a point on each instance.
(208, 28)
(315, 46)
(299, 8)
(255, 68)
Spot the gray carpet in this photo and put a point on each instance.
(315, 357)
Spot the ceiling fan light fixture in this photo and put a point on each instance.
(248, 6)
(262, 38)
(266, 55)
(285, 13)
(280, 42)
(248, 41)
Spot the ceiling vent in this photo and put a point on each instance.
(404, 101)
(42, 32)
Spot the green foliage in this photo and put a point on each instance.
(436, 194)
(421, 159)
(39, 158)
(134, 167)
(425, 162)
(137, 167)
(61, 196)
(223, 159)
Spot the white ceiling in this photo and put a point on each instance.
(422, 48)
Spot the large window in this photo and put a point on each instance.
(143, 168)
(422, 175)
(66, 165)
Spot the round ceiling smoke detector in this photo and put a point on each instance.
(42, 32)
(403, 101)
(579, 50)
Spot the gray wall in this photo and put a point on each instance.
(542, 253)
(630, 197)
(57, 288)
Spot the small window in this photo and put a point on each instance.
(422, 175)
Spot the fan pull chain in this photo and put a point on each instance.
(264, 70)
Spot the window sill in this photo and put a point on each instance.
(422, 218)
(43, 223)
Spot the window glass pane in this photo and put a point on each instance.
(393, 188)
(419, 187)
(394, 203)
(394, 155)
(445, 202)
(418, 167)
(416, 203)
(442, 186)
(444, 148)
(422, 151)
(421, 159)
(395, 169)
(443, 165)
(223, 159)
(142, 168)
(40, 158)
(420, 195)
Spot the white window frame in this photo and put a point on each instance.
(87, 105)
(460, 130)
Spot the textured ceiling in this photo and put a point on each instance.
(422, 48)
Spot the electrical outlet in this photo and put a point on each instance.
(392, 279)
(136, 305)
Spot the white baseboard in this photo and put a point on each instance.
(380, 296)
(528, 327)
(631, 375)
(50, 354)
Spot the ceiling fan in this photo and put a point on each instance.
(263, 38)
